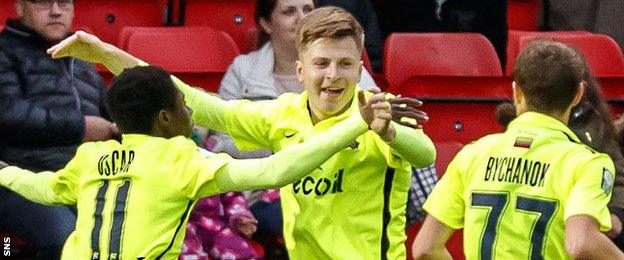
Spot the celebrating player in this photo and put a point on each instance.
(534, 191)
(133, 197)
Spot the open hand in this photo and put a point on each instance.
(405, 111)
(81, 45)
(377, 113)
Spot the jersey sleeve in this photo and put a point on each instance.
(195, 174)
(590, 191)
(247, 122)
(244, 120)
(446, 201)
(49, 188)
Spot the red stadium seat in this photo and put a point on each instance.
(457, 75)
(513, 43)
(438, 54)
(108, 17)
(7, 10)
(446, 153)
(235, 17)
(523, 14)
(601, 52)
(198, 56)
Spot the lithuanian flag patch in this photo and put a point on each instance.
(523, 142)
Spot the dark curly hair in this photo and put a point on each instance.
(137, 95)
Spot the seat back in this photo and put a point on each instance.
(199, 56)
(513, 43)
(235, 17)
(438, 54)
(601, 52)
(523, 14)
(108, 17)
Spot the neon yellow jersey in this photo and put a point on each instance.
(118, 188)
(353, 206)
(512, 192)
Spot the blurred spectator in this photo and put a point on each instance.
(365, 14)
(407, 16)
(487, 17)
(422, 183)
(218, 228)
(599, 16)
(47, 108)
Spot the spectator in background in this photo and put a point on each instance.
(47, 108)
(488, 17)
(218, 228)
(407, 16)
(599, 16)
(266, 74)
(367, 16)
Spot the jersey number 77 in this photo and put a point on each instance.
(497, 202)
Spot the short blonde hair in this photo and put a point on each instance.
(331, 23)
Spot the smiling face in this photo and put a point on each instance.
(51, 21)
(329, 70)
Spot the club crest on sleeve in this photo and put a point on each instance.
(207, 154)
(607, 180)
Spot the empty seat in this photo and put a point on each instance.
(199, 56)
(523, 14)
(601, 52)
(458, 76)
(108, 17)
(438, 54)
(513, 43)
(235, 17)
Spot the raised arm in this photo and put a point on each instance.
(209, 109)
(291, 163)
(411, 143)
(49, 188)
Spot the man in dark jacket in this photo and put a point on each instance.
(47, 108)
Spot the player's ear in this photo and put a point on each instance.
(164, 118)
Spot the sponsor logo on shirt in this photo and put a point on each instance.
(319, 186)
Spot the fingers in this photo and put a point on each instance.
(419, 115)
(61, 49)
(361, 98)
(411, 102)
(374, 90)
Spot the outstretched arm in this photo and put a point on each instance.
(36, 187)
(291, 163)
(410, 143)
(90, 48)
(297, 161)
(209, 109)
(430, 241)
(583, 240)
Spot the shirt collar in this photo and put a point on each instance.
(302, 103)
(539, 120)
